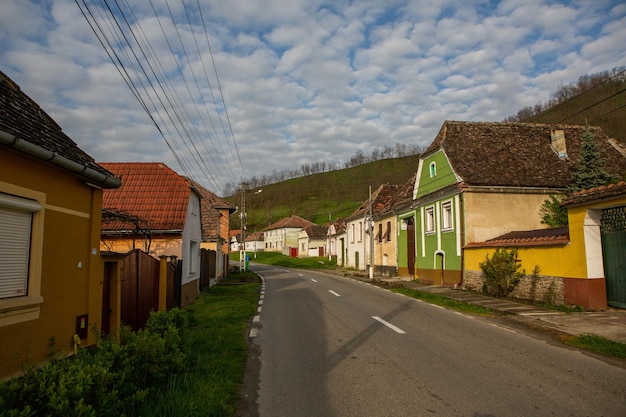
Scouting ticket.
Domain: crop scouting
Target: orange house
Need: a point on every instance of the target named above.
(50, 212)
(158, 211)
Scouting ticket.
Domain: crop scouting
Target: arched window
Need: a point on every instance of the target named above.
(433, 169)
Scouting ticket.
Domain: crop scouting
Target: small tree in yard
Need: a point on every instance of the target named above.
(501, 272)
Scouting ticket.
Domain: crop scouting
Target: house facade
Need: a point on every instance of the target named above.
(478, 181)
(336, 240)
(255, 242)
(50, 209)
(312, 241)
(360, 227)
(215, 213)
(158, 211)
(282, 236)
(387, 230)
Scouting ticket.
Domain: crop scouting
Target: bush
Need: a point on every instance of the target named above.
(501, 272)
(111, 380)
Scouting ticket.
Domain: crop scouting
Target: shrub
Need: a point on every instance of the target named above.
(110, 380)
(501, 272)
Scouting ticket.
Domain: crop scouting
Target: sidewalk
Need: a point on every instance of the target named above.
(609, 323)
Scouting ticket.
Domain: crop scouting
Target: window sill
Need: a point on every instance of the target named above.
(19, 309)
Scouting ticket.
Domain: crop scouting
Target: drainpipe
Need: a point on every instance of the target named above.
(462, 235)
(101, 179)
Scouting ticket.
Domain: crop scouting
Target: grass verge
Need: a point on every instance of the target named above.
(599, 345)
(216, 351)
(444, 301)
(278, 259)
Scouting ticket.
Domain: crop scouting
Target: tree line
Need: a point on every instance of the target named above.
(609, 78)
(399, 150)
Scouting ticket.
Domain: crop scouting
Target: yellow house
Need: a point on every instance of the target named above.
(584, 264)
(50, 210)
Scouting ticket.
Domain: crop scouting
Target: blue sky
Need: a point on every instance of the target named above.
(304, 81)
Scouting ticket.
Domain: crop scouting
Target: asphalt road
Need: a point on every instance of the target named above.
(331, 346)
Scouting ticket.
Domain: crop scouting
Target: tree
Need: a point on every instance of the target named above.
(589, 171)
(553, 214)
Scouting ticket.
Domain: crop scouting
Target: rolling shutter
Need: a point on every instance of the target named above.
(15, 234)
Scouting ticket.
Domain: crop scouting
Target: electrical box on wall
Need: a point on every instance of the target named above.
(82, 326)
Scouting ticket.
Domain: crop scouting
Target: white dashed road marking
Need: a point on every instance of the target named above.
(334, 293)
(391, 326)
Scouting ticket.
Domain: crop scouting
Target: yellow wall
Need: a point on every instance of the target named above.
(70, 263)
(159, 246)
(488, 215)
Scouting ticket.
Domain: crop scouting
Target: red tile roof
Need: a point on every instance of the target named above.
(150, 191)
(607, 192)
(539, 237)
(293, 221)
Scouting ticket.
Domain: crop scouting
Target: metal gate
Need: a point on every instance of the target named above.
(613, 228)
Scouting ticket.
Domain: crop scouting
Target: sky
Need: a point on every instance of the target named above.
(223, 91)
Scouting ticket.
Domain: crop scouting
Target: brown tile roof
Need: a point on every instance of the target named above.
(152, 192)
(539, 237)
(291, 221)
(256, 236)
(381, 198)
(316, 231)
(21, 117)
(210, 205)
(402, 197)
(340, 226)
(517, 154)
(607, 192)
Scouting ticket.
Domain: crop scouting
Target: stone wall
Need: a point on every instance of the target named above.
(546, 289)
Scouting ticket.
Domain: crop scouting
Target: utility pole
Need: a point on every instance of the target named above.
(371, 228)
(242, 215)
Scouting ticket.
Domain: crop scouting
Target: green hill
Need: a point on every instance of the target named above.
(321, 197)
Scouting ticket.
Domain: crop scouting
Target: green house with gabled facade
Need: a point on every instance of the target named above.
(479, 180)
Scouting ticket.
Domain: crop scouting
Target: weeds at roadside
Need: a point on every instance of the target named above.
(599, 345)
(444, 301)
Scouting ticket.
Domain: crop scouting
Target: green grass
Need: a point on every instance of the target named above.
(278, 259)
(599, 345)
(443, 301)
(216, 349)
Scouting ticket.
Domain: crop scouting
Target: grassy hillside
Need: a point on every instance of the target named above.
(320, 197)
(603, 105)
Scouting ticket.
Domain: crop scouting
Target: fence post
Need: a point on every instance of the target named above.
(162, 283)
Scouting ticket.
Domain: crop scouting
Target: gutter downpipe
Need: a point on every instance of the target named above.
(462, 205)
(38, 152)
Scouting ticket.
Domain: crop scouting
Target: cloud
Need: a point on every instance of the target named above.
(298, 81)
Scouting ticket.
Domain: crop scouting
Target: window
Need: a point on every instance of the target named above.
(430, 219)
(388, 232)
(21, 242)
(353, 235)
(360, 231)
(446, 216)
(193, 257)
(433, 170)
(379, 235)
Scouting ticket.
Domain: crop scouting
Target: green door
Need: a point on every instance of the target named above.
(614, 255)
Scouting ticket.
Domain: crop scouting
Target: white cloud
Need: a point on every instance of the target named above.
(303, 81)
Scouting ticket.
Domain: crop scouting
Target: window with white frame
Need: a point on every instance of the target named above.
(16, 221)
(446, 216)
(433, 170)
(193, 257)
(430, 219)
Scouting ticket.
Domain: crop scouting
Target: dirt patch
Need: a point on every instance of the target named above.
(246, 405)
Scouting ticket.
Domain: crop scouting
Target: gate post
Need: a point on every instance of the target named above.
(162, 283)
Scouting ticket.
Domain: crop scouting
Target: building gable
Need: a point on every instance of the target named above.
(434, 172)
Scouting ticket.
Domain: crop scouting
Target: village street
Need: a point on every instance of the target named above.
(331, 346)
